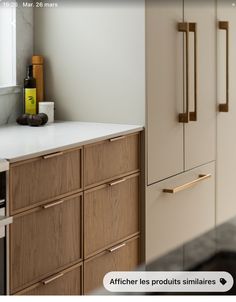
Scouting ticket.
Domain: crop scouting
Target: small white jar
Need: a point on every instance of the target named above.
(47, 108)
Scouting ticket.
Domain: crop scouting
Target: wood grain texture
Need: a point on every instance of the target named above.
(111, 213)
(39, 180)
(70, 283)
(44, 240)
(107, 160)
(123, 259)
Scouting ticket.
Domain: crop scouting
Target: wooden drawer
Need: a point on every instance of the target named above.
(174, 219)
(111, 214)
(110, 159)
(123, 257)
(45, 240)
(42, 179)
(67, 282)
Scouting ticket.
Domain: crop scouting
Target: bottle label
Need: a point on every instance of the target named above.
(30, 101)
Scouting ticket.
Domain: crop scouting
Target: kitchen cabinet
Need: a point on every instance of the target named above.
(200, 132)
(67, 282)
(164, 80)
(181, 122)
(114, 207)
(179, 209)
(181, 86)
(110, 159)
(44, 240)
(45, 178)
(86, 206)
(122, 257)
(226, 117)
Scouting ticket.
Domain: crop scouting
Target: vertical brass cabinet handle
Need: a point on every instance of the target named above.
(47, 281)
(53, 155)
(193, 114)
(50, 205)
(113, 249)
(201, 177)
(184, 27)
(111, 184)
(117, 138)
(224, 25)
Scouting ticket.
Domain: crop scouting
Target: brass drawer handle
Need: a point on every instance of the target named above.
(193, 114)
(116, 138)
(50, 205)
(111, 184)
(184, 28)
(115, 248)
(53, 155)
(224, 25)
(201, 177)
(47, 281)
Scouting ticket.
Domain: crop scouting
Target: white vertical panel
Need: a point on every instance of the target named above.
(7, 46)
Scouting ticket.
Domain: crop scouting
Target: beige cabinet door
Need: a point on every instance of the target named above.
(174, 218)
(164, 52)
(200, 132)
(226, 140)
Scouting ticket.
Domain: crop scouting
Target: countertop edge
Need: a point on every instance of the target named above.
(74, 145)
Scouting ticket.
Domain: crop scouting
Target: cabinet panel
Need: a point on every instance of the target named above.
(173, 219)
(68, 282)
(110, 159)
(164, 49)
(44, 240)
(44, 178)
(111, 214)
(226, 146)
(200, 135)
(125, 258)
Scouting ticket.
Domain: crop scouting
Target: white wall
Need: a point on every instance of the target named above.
(95, 52)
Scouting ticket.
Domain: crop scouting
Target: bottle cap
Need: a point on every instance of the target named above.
(37, 60)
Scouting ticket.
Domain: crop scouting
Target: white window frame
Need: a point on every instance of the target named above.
(10, 37)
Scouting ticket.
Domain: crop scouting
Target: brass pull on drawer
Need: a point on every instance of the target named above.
(201, 177)
(50, 205)
(116, 138)
(47, 281)
(111, 184)
(115, 248)
(53, 155)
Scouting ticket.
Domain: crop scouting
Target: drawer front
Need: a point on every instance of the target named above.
(68, 282)
(173, 219)
(111, 214)
(110, 159)
(125, 257)
(42, 179)
(44, 240)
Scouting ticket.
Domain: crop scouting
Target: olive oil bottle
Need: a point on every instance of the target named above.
(30, 102)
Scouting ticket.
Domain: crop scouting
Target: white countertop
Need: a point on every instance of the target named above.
(24, 142)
